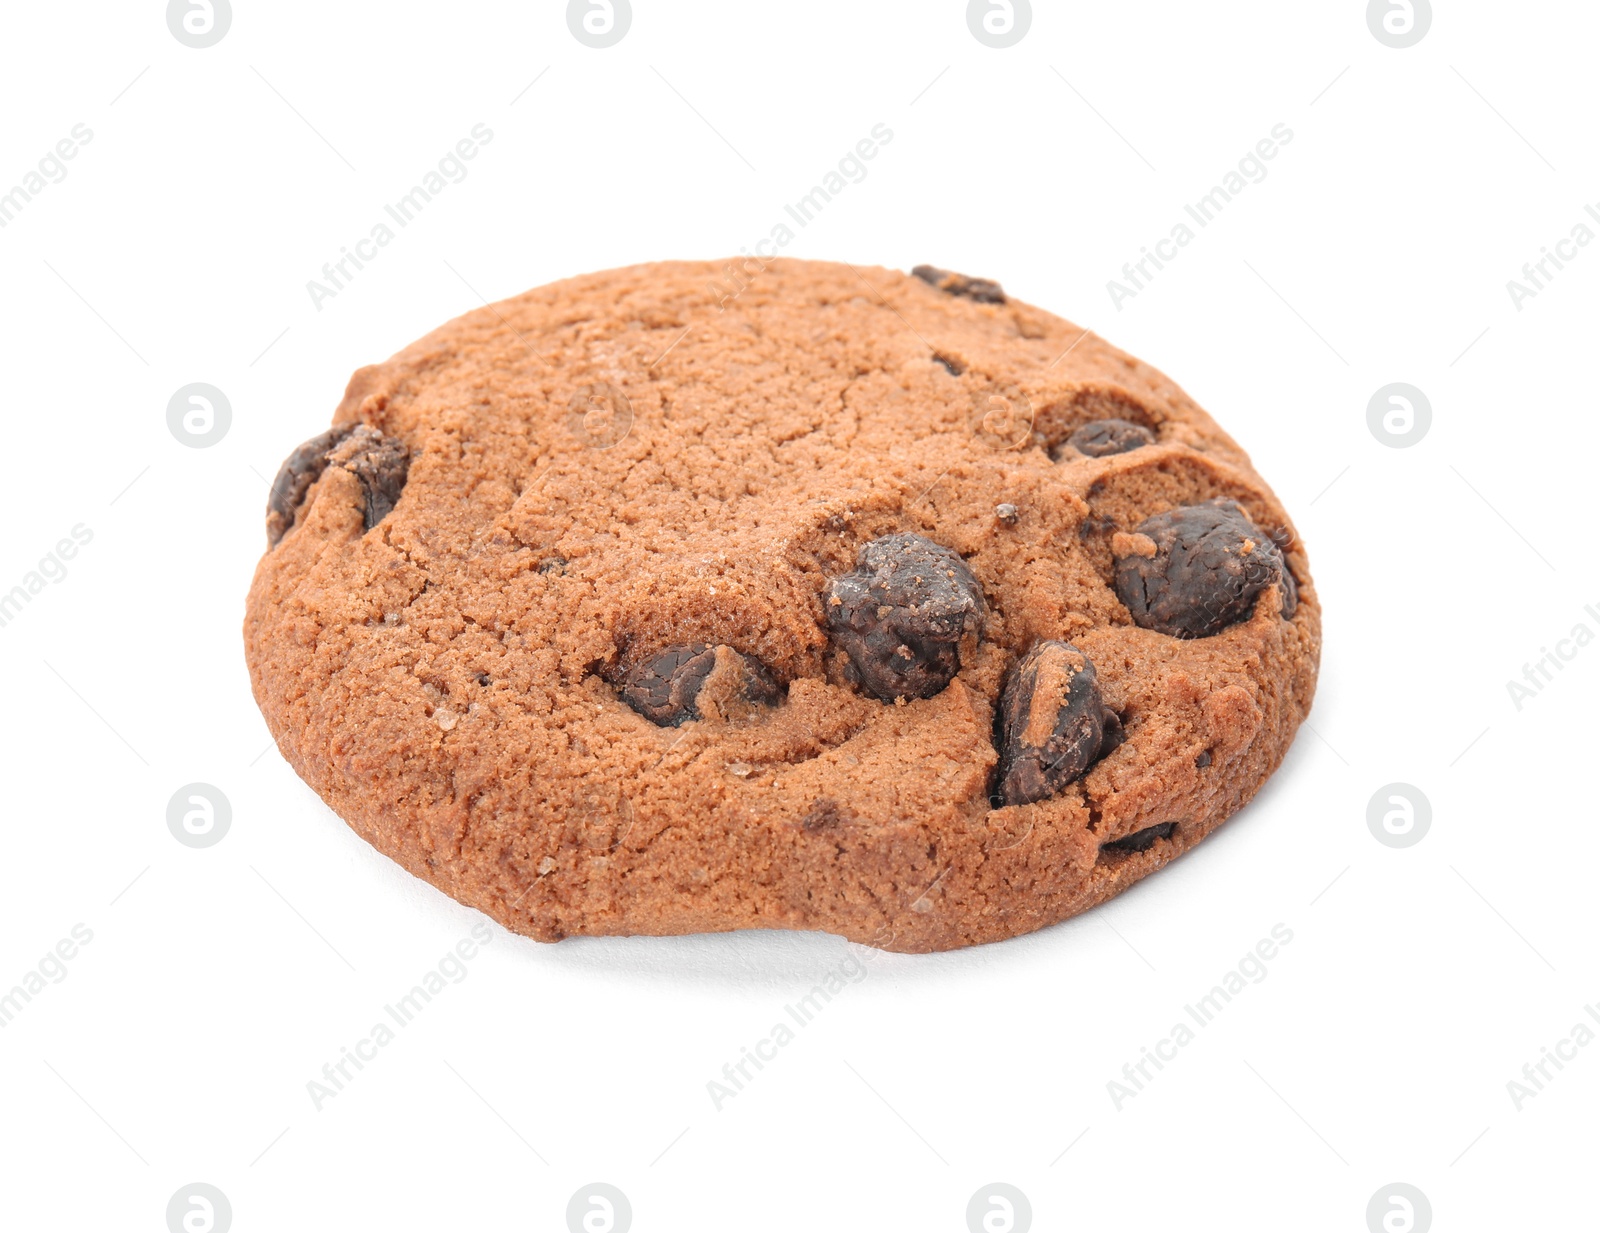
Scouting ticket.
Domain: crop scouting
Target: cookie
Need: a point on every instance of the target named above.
(855, 601)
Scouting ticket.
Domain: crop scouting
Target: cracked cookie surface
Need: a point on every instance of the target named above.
(544, 617)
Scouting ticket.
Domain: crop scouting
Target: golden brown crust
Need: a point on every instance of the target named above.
(638, 459)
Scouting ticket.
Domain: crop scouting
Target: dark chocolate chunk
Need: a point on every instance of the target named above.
(902, 613)
(1101, 438)
(1096, 524)
(299, 471)
(983, 290)
(1053, 723)
(825, 812)
(1195, 570)
(1202, 759)
(698, 682)
(1141, 841)
(380, 463)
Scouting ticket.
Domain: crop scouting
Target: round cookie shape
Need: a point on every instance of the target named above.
(694, 597)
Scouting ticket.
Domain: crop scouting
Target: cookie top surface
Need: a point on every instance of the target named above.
(568, 497)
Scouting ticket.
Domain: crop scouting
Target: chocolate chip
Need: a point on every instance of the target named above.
(1195, 570)
(698, 682)
(1053, 723)
(980, 289)
(824, 814)
(902, 613)
(1101, 438)
(1141, 841)
(380, 463)
(1006, 513)
(952, 366)
(299, 471)
(1096, 524)
(1202, 759)
(1291, 592)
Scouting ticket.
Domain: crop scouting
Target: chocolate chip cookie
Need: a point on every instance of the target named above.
(685, 597)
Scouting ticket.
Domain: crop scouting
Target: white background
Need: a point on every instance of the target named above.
(1419, 982)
